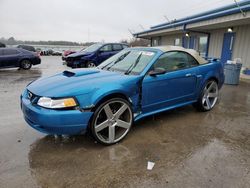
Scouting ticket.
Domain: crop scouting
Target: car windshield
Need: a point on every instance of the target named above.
(128, 61)
(92, 48)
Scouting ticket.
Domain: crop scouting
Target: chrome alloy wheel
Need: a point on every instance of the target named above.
(113, 121)
(210, 95)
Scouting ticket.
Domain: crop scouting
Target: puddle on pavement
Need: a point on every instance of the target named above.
(183, 144)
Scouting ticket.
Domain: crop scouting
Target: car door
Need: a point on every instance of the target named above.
(175, 87)
(105, 52)
(11, 57)
(1, 58)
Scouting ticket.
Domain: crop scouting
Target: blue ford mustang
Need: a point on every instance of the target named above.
(135, 83)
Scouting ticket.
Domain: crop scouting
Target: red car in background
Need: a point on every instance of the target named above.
(66, 53)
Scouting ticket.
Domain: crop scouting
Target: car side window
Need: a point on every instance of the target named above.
(1, 52)
(124, 46)
(172, 61)
(10, 52)
(106, 48)
(117, 47)
(192, 61)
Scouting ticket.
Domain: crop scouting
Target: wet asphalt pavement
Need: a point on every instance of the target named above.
(190, 149)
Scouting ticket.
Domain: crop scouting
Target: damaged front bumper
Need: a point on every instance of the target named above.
(59, 122)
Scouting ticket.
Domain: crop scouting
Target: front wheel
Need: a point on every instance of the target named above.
(112, 121)
(25, 64)
(209, 96)
(90, 65)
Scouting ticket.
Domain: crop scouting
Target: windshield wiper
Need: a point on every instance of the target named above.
(132, 66)
(106, 65)
(118, 60)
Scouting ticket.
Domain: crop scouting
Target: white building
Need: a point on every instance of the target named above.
(222, 33)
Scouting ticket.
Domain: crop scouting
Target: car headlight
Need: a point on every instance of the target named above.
(57, 103)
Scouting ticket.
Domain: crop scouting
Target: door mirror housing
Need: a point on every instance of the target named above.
(157, 71)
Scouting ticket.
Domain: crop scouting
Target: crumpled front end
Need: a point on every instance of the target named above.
(49, 121)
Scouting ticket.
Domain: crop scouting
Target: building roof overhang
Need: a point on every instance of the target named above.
(227, 16)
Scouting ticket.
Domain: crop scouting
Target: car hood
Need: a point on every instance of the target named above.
(81, 53)
(78, 81)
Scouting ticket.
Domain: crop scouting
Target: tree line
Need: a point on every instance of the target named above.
(13, 41)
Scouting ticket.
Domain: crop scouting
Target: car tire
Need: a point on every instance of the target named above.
(25, 64)
(111, 121)
(208, 97)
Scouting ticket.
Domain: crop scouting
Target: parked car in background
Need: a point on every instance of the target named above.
(18, 57)
(133, 84)
(27, 47)
(2, 45)
(94, 55)
(66, 53)
(46, 52)
(56, 53)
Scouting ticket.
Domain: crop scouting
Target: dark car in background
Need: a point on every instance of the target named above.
(18, 57)
(27, 47)
(94, 55)
(2, 45)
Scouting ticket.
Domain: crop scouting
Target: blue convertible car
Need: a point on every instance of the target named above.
(135, 83)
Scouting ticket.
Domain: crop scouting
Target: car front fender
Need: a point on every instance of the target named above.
(90, 100)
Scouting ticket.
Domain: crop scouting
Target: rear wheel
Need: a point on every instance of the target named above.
(25, 64)
(209, 96)
(112, 121)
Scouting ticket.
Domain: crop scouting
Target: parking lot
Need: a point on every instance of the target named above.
(189, 148)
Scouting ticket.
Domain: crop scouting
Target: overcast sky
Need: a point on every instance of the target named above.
(91, 20)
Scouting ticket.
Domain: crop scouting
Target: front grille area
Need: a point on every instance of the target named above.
(32, 97)
(72, 59)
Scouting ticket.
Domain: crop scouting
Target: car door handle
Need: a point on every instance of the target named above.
(188, 75)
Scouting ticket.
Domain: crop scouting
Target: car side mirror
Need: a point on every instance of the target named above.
(157, 71)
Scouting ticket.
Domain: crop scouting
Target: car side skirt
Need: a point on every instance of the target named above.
(141, 115)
